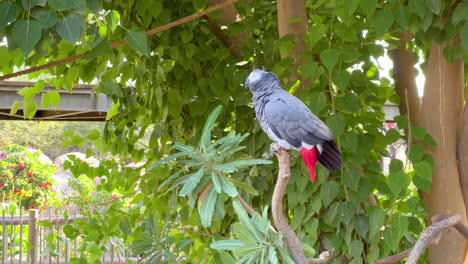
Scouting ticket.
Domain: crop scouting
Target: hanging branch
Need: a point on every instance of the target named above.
(280, 221)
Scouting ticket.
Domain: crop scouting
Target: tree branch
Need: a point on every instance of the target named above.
(429, 236)
(292, 241)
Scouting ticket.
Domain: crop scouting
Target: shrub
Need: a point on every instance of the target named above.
(24, 178)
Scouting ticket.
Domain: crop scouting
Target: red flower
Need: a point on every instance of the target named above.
(3, 155)
(17, 191)
(1, 184)
(114, 196)
(30, 181)
(4, 176)
(11, 168)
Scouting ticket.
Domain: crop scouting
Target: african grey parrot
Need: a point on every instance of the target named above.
(289, 122)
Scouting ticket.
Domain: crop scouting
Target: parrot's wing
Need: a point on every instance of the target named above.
(290, 119)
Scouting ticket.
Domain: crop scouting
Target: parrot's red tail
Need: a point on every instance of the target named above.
(310, 158)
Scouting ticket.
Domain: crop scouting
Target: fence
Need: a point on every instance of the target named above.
(38, 237)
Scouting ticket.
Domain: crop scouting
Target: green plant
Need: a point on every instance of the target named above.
(24, 178)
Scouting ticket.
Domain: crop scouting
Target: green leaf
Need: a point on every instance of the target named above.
(397, 182)
(94, 5)
(207, 207)
(30, 108)
(209, 124)
(93, 251)
(418, 132)
(393, 235)
(349, 103)
(15, 107)
(26, 35)
(329, 191)
(170, 158)
(45, 223)
(318, 102)
(49, 98)
(351, 178)
(113, 110)
(316, 33)
(336, 123)
(192, 182)
(101, 49)
(63, 5)
(368, 6)
(244, 186)
(112, 19)
(435, 6)
(137, 40)
(233, 166)
(228, 187)
(329, 58)
(416, 153)
(46, 19)
(93, 134)
(71, 27)
(174, 103)
(112, 88)
(356, 248)
(464, 37)
(349, 141)
(70, 231)
(362, 225)
(402, 121)
(7, 13)
(186, 36)
(216, 183)
(383, 21)
(228, 244)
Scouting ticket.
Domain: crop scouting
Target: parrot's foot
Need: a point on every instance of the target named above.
(274, 147)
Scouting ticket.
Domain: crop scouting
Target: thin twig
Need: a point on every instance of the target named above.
(394, 258)
(246, 206)
(292, 241)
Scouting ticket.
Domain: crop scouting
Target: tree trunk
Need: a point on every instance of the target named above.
(439, 116)
(229, 15)
(287, 11)
(405, 80)
(463, 156)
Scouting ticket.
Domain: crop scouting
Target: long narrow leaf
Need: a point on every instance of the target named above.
(182, 147)
(170, 179)
(233, 166)
(192, 182)
(228, 244)
(166, 160)
(216, 183)
(209, 124)
(251, 190)
(227, 186)
(207, 208)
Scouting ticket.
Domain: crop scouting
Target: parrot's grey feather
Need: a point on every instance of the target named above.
(292, 120)
(288, 121)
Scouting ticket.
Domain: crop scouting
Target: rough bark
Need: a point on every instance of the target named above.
(287, 11)
(405, 80)
(439, 116)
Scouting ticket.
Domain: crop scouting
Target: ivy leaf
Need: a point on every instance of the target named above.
(351, 178)
(368, 6)
(329, 58)
(316, 33)
(228, 244)
(102, 48)
(393, 235)
(418, 132)
(383, 21)
(15, 107)
(207, 207)
(318, 101)
(71, 27)
(356, 248)
(26, 35)
(336, 123)
(46, 19)
(7, 13)
(435, 6)
(362, 225)
(397, 182)
(30, 108)
(329, 191)
(137, 40)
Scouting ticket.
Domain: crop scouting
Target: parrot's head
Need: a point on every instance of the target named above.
(261, 81)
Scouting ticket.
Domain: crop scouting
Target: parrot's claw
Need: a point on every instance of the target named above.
(274, 147)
